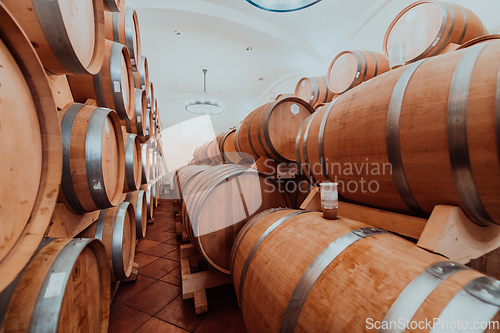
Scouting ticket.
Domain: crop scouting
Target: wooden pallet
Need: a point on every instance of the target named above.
(195, 284)
(181, 231)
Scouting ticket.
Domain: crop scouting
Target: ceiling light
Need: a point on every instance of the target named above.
(204, 103)
(261, 79)
(177, 33)
(249, 48)
(282, 5)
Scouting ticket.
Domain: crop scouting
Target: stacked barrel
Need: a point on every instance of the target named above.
(89, 151)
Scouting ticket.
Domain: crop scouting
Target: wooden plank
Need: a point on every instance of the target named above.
(65, 224)
(60, 90)
(185, 237)
(405, 225)
(450, 233)
(179, 228)
(202, 280)
(151, 221)
(134, 275)
(188, 250)
(313, 201)
(488, 264)
(193, 262)
(200, 301)
(178, 217)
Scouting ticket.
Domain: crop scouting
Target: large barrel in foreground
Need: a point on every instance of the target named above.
(218, 202)
(271, 129)
(31, 150)
(419, 136)
(64, 288)
(425, 28)
(68, 35)
(93, 158)
(294, 271)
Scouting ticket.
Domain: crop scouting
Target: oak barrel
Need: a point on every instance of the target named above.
(184, 175)
(279, 97)
(149, 200)
(314, 90)
(31, 162)
(422, 135)
(64, 288)
(271, 129)
(141, 77)
(123, 28)
(151, 96)
(114, 5)
(294, 271)
(145, 163)
(478, 40)
(116, 229)
(351, 68)
(218, 202)
(133, 162)
(137, 124)
(68, 35)
(425, 28)
(113, 86)
(93, 158)
(227, 147)
(138, 201)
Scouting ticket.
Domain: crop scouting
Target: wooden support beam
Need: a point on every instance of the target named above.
(450, 233)
(405, 225)
(188, 250)
(178, 217)
(200, 301)
(202, 280)
(65, 224)
(313, 201)
(61, 91)
(134, 275)
(179, 228)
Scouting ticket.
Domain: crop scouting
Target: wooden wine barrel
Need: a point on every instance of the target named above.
(145, 164)
(150, 126)
(227, 147)
(184, 175)
(133, 162)
(114, 5)
(31, 162)
(351, 68)
(156, 193)
(424, 28)
(137, 124)
(337, 275)
(123, 28)
(413, 153)
(271, 129)
(151, 96)
(478, 40)
(151, 165)
(149, 200)
(297, 189)
(68, 35)
(219, 201)
(139, 202)
(141, 77)
(213, 151)
(93, 158)
(112, 87)
(64, 288)
(283, 96)
(116, 229)
(314, 90)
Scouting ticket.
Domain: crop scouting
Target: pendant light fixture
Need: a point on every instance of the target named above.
(282, 5)
(204, 103)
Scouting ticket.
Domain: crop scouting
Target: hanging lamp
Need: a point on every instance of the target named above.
(282, 5)
(204, 103)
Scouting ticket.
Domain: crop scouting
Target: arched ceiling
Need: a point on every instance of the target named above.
(285, 47)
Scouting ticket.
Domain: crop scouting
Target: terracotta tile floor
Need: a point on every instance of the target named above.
(154, 302)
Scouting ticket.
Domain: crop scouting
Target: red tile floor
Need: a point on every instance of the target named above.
(154, 302)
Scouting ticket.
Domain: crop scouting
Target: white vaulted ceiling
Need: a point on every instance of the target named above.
(286, 46)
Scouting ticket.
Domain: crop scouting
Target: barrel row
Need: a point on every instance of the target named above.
(412, 154)
(216, 203)
(423, 29)
(334, 267)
